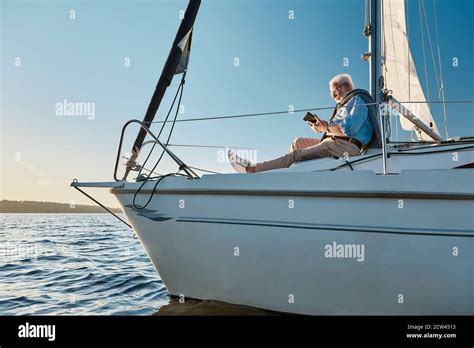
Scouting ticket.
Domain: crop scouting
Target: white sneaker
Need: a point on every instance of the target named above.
(239, 164)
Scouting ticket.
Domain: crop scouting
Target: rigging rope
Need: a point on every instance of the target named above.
(441, 77)
(222, 146)
(164, 123)
(408, 48)
(152, 192)
(205, 170)
(438, 102)
(255, 114)
(424, 52)
(180, 92)
(367, 14)
(431, 44)
(309, 109)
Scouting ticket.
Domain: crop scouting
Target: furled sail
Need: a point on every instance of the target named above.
(185, 47)
(399, 69)
(176, 63)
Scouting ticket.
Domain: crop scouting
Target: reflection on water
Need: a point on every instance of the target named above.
(74, 264)
(208, 307)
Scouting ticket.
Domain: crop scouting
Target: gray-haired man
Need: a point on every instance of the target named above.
(349, 130)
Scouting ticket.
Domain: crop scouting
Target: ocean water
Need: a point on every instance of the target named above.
(74, 264)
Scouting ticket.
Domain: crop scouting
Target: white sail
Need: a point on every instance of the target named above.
(399, 69)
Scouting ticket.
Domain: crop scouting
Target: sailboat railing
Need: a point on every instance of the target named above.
(182, 166)
(383, 117)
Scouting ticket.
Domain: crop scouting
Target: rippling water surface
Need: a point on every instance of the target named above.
(74, 264)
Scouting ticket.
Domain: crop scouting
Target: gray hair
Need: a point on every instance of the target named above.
(341, 79)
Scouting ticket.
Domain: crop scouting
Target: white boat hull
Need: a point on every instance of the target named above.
(221, 238)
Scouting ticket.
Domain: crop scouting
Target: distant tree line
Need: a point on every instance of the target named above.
(49, 207)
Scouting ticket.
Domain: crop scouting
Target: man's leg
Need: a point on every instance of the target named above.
(318, 150)
(326, 148)
(303, 143)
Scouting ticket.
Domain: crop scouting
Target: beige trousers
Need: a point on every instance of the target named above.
(309, 148)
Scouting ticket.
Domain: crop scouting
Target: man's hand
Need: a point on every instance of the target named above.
(319, 126)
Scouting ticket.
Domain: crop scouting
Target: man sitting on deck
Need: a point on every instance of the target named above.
(350, 129)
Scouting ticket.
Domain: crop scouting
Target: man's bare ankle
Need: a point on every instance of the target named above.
(250, 169)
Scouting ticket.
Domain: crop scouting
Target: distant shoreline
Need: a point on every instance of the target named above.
(7, 206)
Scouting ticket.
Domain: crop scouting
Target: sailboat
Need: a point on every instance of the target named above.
(387, 232)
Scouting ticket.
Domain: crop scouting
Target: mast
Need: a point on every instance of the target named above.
(170, 68)
(373, 32)
(375, 49)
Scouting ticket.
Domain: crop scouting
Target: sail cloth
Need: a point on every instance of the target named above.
(399, 69)
(185, 47)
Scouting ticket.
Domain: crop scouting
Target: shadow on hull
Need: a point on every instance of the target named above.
(210, 308)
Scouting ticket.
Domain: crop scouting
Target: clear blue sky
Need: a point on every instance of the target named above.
(282, 62)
